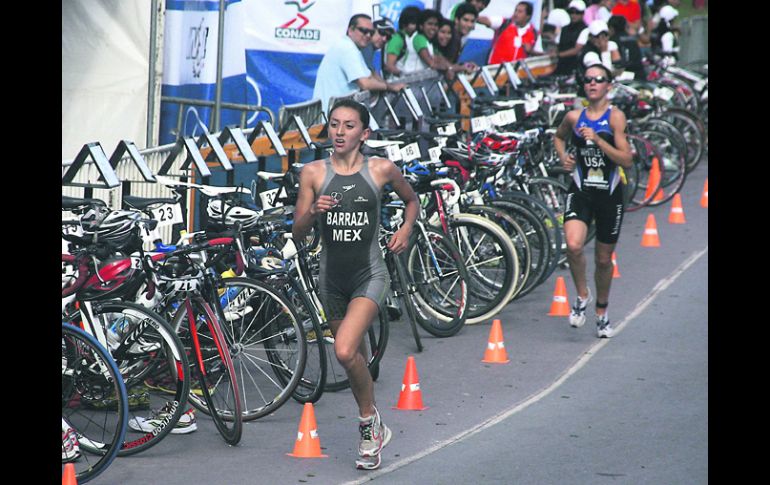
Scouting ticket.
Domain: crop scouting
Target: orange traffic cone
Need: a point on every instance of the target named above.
(653, 182)
(559, 306)
(411, 395)
(676, 216)
(704, 199)
(308, 444)
(650, 237)
(615, 272)
(495, 353)
(68, 478)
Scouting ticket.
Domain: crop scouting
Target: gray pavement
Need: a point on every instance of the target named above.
(564, 410)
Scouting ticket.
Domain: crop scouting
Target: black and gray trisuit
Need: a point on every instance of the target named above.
(352, 264)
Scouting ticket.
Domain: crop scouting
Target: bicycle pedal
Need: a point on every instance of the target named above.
(394, 313)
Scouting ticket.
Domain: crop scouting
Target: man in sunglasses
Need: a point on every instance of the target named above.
(569, 48)
(343, 68)
(597, 133)
(383, 31)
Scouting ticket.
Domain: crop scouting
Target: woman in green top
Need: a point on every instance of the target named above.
(398, 48)
(424, 40)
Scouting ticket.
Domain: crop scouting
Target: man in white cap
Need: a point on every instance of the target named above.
(664, 38)
(569, 48)
(557, 19)
(598, 35)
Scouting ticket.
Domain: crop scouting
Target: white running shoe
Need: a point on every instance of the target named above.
(186, 424)
(70, 447)
(577, 315)
(374, 435)
(603, 328)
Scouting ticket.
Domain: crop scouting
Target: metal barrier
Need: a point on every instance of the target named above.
(243, 108)
(694, 39)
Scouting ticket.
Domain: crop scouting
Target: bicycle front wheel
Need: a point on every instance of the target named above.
(149, 355)
(269, 345)
(91, 437)
(438, 272)
(217, 392)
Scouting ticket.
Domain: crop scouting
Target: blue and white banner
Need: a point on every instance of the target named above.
(392, 8)
(190, 64)
(271, 56)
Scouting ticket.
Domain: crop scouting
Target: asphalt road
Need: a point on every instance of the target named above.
(568, 408)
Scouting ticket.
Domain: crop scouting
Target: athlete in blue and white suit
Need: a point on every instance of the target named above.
(598, 134)
(342, 194)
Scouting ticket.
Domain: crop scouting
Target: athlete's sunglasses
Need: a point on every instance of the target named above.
(365, 31)
(598, 79)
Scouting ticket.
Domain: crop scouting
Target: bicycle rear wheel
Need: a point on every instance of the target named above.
(491, 261)
(673, 165)
(538, 241)
(515, 233)
(91, 438)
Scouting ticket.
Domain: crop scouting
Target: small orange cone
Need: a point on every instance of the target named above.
(68, 478)
(650, 237)
(704, 199)
(615, 272)
(411, 395)
(559, 306)
(308, 444)
(653, 182)
(676, 216)
(496, 353)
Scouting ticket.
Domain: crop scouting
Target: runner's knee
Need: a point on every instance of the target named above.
(346, 354)
(574, 246)
(603, 261)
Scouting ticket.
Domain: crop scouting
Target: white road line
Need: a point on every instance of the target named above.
(644, 303)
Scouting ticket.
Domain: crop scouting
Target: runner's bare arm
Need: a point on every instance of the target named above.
(308, 207)
(560, 140)
(390, 174)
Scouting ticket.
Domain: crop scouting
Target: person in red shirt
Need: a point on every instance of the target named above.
(515, 39)
(631, 10)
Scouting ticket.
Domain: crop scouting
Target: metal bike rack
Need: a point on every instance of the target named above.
(107, 175)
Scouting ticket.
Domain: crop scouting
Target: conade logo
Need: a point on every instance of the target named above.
(295, 28)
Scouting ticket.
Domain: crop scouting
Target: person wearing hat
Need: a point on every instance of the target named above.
(664, 40)
(600, 43)
(628, 46)
(601, 151)
(383, 31)
(569, 48)
(557, 19)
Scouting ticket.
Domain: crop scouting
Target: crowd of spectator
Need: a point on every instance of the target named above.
(617, 33)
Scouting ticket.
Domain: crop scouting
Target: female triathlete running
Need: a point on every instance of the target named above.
(598, 133)
(342, 193)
